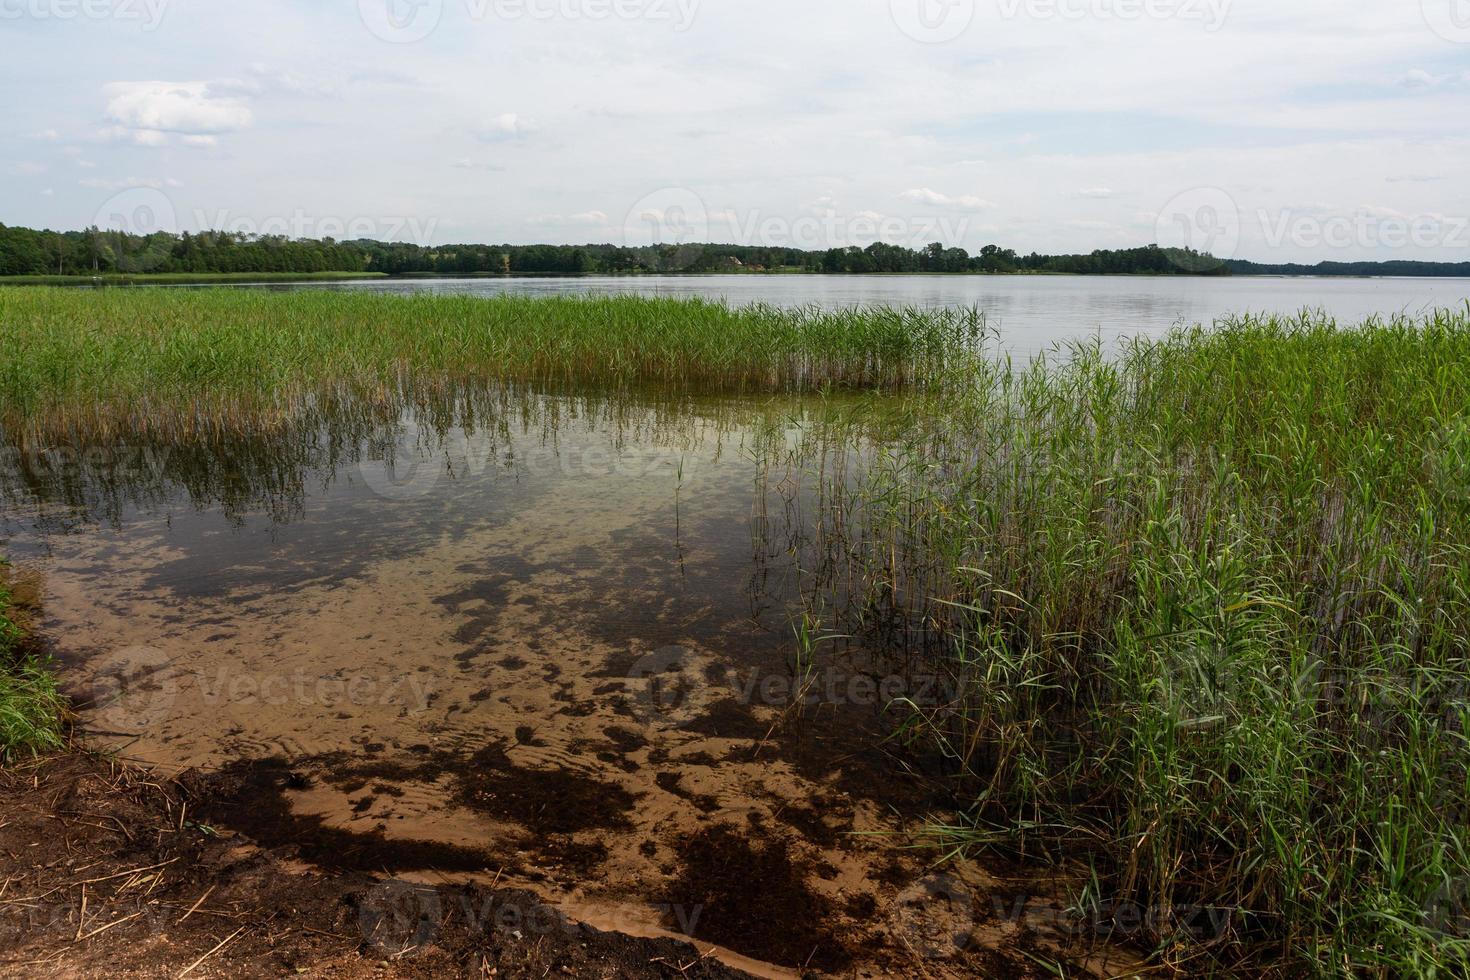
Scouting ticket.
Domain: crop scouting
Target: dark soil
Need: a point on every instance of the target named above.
(107, 871)
(742, 887)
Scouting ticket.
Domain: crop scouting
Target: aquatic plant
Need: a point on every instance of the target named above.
(172, 361)
(30, 706)
(1204, 604)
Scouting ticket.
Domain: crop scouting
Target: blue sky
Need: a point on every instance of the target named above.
(1280, 131)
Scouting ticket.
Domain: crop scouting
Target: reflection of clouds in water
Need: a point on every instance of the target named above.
(602, 530)
(346, 485)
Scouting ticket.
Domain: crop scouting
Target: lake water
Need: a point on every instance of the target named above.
(1031, 312)
(477, 632)
(484, 634)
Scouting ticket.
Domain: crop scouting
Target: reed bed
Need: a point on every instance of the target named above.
(175, 360)
(1202, 604)
(1205, 610)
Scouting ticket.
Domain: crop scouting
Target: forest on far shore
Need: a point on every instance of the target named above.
(95, 252)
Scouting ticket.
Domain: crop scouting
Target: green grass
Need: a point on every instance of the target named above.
(30, 706)
(104, 360)
(1207, 605)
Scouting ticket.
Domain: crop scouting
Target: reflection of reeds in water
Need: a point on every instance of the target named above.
(1205, 613)
(124, 362)
(462, 427)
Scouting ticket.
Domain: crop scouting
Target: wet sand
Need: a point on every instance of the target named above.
(563, 665)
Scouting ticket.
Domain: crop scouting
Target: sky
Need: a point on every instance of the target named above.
(1274, 130)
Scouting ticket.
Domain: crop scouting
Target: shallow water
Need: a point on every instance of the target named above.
(500, 636)
(1031, 313)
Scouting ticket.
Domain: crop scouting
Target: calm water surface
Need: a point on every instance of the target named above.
(538, 640)
(1031, 312)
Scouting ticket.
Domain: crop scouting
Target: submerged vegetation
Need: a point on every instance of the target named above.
(1201, 604)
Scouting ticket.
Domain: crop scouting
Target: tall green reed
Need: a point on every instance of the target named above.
(30, 706)
(177, 360)
(1206, 605)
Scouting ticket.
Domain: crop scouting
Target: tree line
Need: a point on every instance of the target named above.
(97, 252)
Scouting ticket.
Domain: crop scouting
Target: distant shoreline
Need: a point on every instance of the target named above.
(272, 278)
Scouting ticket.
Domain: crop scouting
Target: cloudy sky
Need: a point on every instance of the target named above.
(1277, 130)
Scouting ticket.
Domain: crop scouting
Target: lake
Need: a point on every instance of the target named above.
(484, 632)
(1030, 312)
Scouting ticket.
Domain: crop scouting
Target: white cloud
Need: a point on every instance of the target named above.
(1096, 193)
(190, 108)
(744, 112)
(506, 126)
(27, 168)
(965, 202)
(44, 136)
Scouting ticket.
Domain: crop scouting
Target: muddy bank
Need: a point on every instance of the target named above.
(105, 871)
(112, 870)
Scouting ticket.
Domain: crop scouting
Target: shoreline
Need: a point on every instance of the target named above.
(332, 278)
(141, 889)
